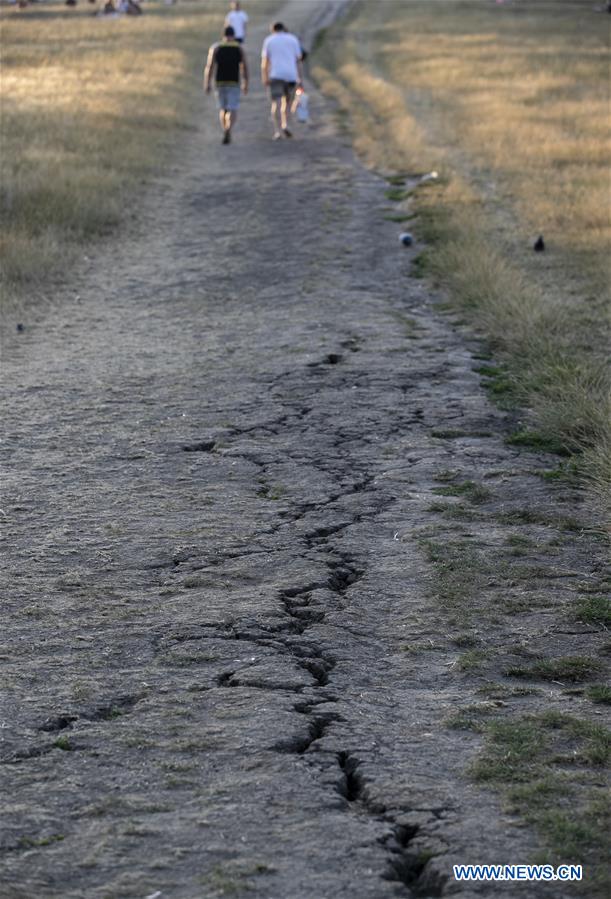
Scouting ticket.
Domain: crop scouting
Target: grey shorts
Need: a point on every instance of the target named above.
(228, 97)
(279, 89)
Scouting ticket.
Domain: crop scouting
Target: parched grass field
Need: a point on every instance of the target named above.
(90, 108)
(509, 102)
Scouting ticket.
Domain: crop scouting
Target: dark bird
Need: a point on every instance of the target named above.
(539, 244)
(20, 327)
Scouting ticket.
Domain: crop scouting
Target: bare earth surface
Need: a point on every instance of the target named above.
(220, 456)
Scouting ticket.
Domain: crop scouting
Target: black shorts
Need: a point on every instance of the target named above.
(279, 89)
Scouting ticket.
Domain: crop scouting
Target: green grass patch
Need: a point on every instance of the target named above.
(420, 267)
(460, 573)
(566, 473)
(39, 842)
(474, 493)
(498, 382)
(520, 545)
(472, 660)
(513, 745)
(534, 516)
(457, 511)
(488, 371)
(471, 717)
(599, 694)
(464, 641)
(571, 669)
(396, 194)
(537, 442)
(526, 759)
(594, 610)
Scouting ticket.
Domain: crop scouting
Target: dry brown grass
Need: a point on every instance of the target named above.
(511, 104)
(90, 108)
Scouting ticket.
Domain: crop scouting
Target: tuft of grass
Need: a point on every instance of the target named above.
(460, 573)
(273, 493)
(520, 545)
(512, 747)
(594, 739)
(599, 693)
(64, 744)
(567, 472)
(38, 842)
(464, 641)
(573, 669)
(446, 475)
(456, 511)
(396, 194)
(469, 718)
(533, 516)
(421, 265)
(498, 382)
(474, 493)
(537, 441)
(488, 371)
(594, 610)
(472, 660)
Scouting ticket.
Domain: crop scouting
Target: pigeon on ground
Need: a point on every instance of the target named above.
(539, 244)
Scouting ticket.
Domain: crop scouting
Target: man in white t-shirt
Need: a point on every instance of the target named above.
(281, 72)
(237, 19)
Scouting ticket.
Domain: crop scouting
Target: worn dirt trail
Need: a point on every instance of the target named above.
(219, 455)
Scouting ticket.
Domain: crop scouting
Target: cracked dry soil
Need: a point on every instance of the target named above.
(220, 447)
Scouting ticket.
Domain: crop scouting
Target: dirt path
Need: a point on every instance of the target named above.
(221, 458)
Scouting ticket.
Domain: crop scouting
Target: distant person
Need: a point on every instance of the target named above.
(238, 20)
(227, 67)
(130, 8)
(281, 72)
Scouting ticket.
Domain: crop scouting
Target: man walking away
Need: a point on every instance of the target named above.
(227, 66)
(237, 19)
(281, 72)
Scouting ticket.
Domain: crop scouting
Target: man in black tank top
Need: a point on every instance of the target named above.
(227, 67)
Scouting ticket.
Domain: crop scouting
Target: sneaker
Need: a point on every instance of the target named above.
(276, 136)
(287, 133)
(227, 137)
